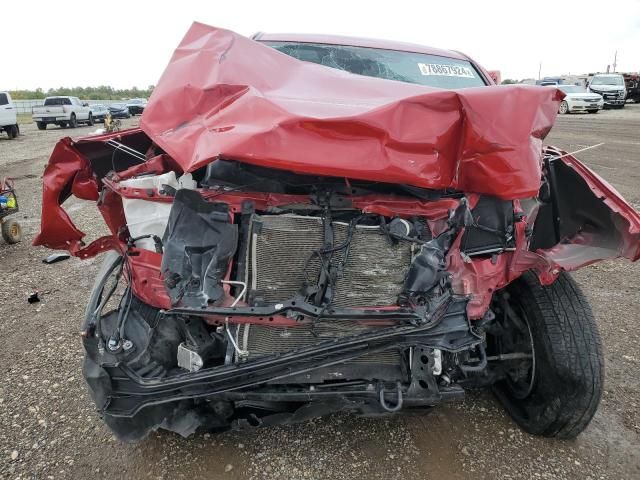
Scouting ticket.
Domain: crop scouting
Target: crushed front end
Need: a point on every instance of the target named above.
(274, 257)
(254, 307)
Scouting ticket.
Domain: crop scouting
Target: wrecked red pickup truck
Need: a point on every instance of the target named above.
(310, 224)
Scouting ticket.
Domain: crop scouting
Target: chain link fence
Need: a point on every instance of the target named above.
(25, 106)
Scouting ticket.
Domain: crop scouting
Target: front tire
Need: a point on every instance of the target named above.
(564, 108)
(73, 122)
(594, 111)
(90, 121)
(41, 125)
(567, 374)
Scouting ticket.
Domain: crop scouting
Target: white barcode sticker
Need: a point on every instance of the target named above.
(445, 70)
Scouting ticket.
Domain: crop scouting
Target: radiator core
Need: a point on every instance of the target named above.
(281, 246)
(280, 259)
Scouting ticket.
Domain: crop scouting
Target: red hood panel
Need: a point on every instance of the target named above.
(223, 95)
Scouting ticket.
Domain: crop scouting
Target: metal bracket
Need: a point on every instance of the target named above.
(189, 359)
(423, 371)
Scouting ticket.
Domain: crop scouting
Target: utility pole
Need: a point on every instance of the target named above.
(539, 70)
(615, 61)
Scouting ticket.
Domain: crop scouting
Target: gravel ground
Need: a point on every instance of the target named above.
(49, 428)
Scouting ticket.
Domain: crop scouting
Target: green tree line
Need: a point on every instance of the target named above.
(103, 92)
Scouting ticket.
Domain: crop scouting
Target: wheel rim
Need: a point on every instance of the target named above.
(564, 107)
(517, 338)
(14, 230)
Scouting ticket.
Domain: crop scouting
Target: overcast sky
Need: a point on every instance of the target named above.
(128, 43)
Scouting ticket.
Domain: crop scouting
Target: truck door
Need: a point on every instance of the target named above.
(82, 112)
(7, 110)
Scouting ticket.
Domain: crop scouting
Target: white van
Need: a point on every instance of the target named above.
(8, 118)
(611, 87)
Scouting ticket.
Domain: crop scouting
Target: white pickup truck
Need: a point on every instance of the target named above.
(62, 111)
(611, 87)
(8, 120)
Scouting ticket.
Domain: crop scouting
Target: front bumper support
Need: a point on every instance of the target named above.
(128, 392)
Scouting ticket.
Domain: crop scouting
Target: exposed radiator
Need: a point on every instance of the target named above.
(375, 269)
(260, 340)
(280, 246)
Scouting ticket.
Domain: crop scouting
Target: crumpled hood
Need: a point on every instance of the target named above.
(225, 96)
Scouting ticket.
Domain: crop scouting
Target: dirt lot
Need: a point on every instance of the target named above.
(50, 430)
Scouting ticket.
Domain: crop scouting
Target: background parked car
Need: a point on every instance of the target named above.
(119, 110)
(8, 121)
(548, 81)
(99, 112)
(136, 105)
(577, 99)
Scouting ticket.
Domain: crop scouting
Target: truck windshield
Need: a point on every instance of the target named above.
(607, 80)
(428, 70)
(57, 101)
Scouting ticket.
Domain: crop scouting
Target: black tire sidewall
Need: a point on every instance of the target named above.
(546, 379)
(560, 403)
